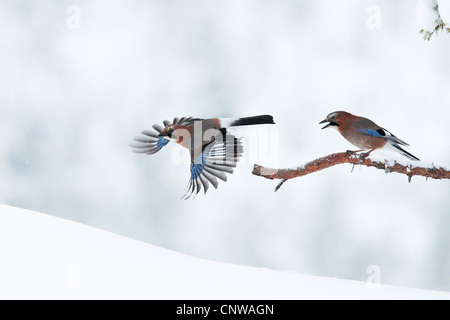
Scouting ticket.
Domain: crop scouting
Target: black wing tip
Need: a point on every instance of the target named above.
(406, 153)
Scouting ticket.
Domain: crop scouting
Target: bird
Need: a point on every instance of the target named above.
(365, 134)
(213, 150)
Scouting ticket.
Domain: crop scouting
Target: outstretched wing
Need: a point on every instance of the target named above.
(186, 121)
(150, 142)
(216, 159)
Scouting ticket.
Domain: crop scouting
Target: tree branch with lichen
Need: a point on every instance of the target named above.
(428, 34)
(351, 158)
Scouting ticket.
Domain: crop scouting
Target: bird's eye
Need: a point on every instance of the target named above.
(333, 118)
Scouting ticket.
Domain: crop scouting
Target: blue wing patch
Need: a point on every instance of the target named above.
(149, 143)
(197, 179)
(161, 142)
(197, 167)
(374, 133)
(216, 159)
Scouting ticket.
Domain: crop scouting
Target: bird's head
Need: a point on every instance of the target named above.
(167, 132)
(174, 132)
(334, 119)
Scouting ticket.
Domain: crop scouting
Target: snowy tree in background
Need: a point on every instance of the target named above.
(432, 16)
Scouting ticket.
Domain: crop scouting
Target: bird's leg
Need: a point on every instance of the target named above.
(363, 156)
(350, 152)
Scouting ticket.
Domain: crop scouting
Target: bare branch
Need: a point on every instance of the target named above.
(348, 157)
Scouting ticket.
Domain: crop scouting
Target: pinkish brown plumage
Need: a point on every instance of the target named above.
(214, 151)
(364, 133)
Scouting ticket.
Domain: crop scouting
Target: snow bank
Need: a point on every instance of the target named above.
(44, 257)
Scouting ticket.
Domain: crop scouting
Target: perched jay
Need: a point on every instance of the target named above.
(214, 151)
(364, 133)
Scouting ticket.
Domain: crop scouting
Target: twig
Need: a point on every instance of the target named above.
(348, 157)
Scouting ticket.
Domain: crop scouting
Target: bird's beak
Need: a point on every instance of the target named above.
(323, 121)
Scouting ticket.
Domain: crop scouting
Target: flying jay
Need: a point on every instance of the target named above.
(214, 151)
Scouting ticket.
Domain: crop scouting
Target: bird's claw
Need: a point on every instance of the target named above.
(363, 157)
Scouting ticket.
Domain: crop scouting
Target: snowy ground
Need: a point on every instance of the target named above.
(44, 257)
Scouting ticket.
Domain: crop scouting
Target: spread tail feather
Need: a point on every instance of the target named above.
(248, 121)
